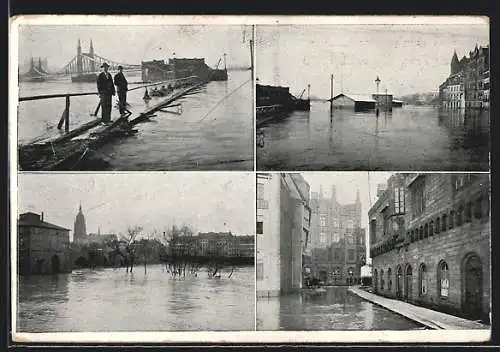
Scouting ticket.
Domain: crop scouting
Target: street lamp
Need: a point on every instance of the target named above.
(377, 81)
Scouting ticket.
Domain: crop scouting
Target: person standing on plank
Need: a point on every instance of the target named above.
(106, 90)
(122, 88)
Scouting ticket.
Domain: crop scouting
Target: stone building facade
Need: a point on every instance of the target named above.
(430, 242)
(338, 247)
(283, 221)
(43, 248)
(468, 86)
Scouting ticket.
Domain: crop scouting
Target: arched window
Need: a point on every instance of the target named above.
(412, 235)
(438, 225)
(459, 216)
(389, 280)
(422, 279)
(451, 220)
(443, 279)
(431, 228)
(468, 212)
(382, 282)
(426, 230)
(421, 234)
(478, 208)
(444, 223)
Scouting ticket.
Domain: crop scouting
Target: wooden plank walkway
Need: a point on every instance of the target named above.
(58, 151)
(427, 317)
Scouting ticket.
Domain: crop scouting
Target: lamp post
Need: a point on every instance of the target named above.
(377, 82)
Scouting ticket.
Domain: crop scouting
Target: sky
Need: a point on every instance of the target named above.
(208, 201)
(407, 58)
(132, 44)
(346, 185)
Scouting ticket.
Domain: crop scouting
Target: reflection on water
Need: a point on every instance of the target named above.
(335, 309)
(209, 132)
(113, 300)
(408, 138)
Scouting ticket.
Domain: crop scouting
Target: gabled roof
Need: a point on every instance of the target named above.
(356, 97)
(32, 222)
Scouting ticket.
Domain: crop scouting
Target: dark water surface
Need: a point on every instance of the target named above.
(112, 300)
(213, 131)
(335, 309)
(409, 138)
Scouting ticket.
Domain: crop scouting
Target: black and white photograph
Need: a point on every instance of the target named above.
(135, 252)
(135, 97)
(373, 251)
(374, 96)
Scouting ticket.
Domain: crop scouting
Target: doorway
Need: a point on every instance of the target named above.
(408, 283)
(56, 264)
(473, 295)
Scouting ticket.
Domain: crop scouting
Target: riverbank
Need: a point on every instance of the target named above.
(427, 317)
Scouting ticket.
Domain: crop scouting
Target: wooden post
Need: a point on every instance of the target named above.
(66, 119)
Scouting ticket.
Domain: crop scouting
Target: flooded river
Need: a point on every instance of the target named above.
(212, 130)
(335, 309)
(409, 138)
(112, 300)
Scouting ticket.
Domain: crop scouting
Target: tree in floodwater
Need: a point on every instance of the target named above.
(125, 247)
(182, 251)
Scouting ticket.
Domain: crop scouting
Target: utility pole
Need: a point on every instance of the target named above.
(308, 92)
(225, 68)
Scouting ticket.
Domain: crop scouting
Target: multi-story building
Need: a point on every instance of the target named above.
(43, 248)
(468, 85)
(338, 248)
(283, 221)
(215, 244)
(430, 242)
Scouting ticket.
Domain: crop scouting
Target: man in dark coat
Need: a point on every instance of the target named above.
(106, 90)
(122, 88)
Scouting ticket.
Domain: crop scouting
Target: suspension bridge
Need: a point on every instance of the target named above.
(82, 67)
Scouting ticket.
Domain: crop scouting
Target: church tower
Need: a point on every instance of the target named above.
(357, 219)
(79, 231)
(455, 65)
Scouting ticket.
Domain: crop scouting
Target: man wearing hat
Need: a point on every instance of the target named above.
(106, 90)
(121, 87)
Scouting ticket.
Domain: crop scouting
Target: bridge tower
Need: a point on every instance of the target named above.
(79, 64)
(91, 54)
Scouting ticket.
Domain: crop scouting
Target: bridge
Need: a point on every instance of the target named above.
(82, 63)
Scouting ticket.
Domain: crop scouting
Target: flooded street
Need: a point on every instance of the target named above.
(212, 130)
(409, 138)
(335, 309)
(112, 300)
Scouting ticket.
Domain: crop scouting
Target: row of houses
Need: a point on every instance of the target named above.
(214, 244)
(430, 242)
(468, 86)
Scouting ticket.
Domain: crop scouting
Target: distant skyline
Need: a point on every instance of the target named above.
(132, 44)
(346, 185)
(407, 58)
(218, 201)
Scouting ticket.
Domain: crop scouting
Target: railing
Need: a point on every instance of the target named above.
(65, 115)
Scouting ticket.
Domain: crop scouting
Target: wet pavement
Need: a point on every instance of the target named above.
(113, 300)
(335, 309)
(420, 138)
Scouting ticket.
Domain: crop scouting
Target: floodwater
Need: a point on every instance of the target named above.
(409, 138)
(212, 130)
(335, 309)
(113, 300)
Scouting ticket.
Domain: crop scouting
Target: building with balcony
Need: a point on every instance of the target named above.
(468, 85)
(430, 242)
(283, 225)
(43, 248)
(338, 247)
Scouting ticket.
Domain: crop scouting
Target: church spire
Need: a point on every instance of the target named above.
(80, 209)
